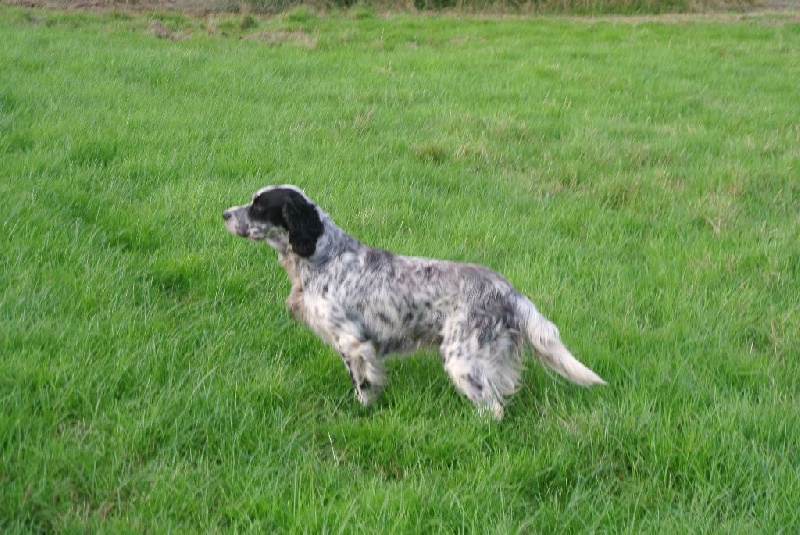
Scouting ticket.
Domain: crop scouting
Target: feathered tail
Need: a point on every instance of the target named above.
(544, 338)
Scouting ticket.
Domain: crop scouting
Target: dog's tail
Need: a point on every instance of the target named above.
(552, 352)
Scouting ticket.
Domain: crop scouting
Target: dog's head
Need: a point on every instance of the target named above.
(282, 216)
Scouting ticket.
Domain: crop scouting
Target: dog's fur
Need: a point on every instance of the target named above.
(368, 303)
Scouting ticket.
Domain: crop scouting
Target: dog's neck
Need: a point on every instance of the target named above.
(333, 242)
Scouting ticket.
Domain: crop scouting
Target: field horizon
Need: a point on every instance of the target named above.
(637, 179)
(452, 7)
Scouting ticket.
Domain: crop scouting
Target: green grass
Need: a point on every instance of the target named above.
(638, 180)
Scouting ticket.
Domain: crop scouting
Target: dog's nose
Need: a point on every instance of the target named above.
(226, 215)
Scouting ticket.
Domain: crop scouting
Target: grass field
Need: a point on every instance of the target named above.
(640, 181)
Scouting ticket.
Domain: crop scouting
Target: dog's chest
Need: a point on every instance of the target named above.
(326, 318)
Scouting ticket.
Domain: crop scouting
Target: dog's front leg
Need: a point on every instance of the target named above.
(366, 372)
(359, 383)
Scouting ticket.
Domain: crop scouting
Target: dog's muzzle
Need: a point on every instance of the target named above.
(233, 224)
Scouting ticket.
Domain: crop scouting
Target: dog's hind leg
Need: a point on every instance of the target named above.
(482, 358)
(365, 369)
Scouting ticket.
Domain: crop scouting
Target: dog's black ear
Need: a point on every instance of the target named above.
(303, 223)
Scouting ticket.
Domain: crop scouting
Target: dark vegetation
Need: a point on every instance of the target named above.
(566, 7)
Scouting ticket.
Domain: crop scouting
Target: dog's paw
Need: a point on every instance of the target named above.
(363, 396)
(367, 395)
(493, 410)
(497, 411)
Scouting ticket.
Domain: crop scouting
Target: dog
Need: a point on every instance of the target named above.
(369, 304)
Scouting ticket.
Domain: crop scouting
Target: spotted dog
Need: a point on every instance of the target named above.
(369, 304)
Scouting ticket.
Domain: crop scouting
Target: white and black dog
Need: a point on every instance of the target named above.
(368, 303)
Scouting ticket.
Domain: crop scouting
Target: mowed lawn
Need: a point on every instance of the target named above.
(638, 179)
